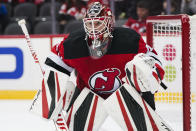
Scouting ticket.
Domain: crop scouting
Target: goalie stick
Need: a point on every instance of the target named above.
(60, 124)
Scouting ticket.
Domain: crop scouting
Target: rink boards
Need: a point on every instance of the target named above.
(20, 77)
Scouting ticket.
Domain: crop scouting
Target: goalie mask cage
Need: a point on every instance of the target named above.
(174, 38)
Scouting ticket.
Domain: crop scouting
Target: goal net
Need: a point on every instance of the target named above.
(174, 38)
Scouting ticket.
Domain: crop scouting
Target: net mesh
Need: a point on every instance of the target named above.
(167, 42)
(167, 29)
(167, 39)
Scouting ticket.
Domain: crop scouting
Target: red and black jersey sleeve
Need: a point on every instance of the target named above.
(56, 59)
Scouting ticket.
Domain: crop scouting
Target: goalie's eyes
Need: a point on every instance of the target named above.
(95, 24)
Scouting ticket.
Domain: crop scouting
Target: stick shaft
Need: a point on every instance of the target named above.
(62, 126)
(28, 40)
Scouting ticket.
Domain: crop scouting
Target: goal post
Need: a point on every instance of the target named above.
(174, 38)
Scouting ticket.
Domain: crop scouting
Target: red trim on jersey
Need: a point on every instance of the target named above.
(45, 109)
(154, 126)
(92, 117)
(123, 110)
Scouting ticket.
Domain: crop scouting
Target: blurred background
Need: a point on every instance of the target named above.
(48, 21)
(63, 16)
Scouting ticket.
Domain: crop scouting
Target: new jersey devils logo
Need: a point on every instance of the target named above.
(106, 81)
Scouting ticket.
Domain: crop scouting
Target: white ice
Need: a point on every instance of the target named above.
(14, 116)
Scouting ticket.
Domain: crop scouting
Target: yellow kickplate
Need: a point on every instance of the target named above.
(16, 94)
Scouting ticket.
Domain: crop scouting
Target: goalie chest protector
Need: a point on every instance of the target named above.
(102, 75)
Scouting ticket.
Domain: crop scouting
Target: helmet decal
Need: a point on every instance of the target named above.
(95, 9)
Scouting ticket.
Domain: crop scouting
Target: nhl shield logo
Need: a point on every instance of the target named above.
(106, 81)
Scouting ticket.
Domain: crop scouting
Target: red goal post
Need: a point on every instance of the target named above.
(174, 38)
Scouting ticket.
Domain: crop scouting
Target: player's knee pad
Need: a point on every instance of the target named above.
(149, 98)
(131, 112)
(55, 94)
(87, 112)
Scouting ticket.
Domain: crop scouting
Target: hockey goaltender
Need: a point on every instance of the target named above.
(116, 72)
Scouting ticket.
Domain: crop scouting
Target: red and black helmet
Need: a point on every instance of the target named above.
(98, 12)
(98, 25)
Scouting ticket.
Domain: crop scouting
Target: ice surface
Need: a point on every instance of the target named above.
(14, 116)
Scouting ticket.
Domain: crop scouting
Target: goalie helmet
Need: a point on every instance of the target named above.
(98, 25)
